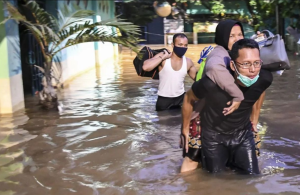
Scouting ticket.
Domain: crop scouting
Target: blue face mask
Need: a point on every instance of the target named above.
(179, 51)
(244, 79)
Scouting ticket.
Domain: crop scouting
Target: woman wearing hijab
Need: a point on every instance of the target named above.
(217, 63)
(217, 68)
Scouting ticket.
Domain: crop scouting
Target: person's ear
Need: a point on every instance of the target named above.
(232, 65)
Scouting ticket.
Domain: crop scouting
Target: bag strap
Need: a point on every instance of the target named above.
(268, 33)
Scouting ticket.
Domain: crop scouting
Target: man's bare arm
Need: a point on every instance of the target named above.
(152, 63)
(256, 110)
(192, 70)
(187, 109)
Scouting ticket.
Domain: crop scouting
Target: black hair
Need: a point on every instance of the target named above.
(182, 35)
(241, 44)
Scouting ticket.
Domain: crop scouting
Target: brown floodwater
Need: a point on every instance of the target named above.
(108, 139)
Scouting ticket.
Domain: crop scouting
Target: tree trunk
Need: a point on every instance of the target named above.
(48, 96)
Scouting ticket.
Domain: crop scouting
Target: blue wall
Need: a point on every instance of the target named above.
(13, 44)
(82, 57)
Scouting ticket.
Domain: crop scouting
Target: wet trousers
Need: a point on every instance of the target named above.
(165, 103)
(236, 150)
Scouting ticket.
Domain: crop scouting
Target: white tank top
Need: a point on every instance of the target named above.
(171, 82)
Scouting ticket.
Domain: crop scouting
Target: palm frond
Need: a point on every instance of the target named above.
(72, 30)
(48, 34)
(102, 35)
(47, 23)
(41, 16)
(68, 17)
(5, 20)
(79, 29)
(14, 13)
(37, 33)
(42, 32)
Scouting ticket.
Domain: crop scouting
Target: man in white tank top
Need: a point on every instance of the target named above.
(172, 67)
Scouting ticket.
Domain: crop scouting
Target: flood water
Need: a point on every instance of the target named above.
(108, 139)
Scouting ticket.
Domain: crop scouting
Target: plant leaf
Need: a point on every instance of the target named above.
(94, 35)
(67, 17)
(40, 68)
(98, 27)
(41, 16)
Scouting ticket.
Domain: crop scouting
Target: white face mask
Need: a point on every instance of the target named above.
(244, 79)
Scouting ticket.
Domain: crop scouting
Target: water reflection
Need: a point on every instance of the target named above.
(108, 139)
(12, 157)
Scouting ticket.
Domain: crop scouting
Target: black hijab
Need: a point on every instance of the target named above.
(223, 32)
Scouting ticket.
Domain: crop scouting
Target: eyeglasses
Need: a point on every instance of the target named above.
(247, 65)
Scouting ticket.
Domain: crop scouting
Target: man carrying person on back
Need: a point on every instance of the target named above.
(228, 140)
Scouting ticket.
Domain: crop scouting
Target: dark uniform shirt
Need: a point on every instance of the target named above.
(216, 100)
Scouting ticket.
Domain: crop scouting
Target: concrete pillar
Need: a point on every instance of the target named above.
(195, 38)
(11, 84)
(96, 18)
(104, 51)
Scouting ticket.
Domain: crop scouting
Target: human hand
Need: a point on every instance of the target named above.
(234, 106)
(181, 141)
(184, 141)
(259, 34)
(166, 54)
(254, 127)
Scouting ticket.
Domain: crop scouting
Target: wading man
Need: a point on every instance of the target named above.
(227, 141)
(172, 67)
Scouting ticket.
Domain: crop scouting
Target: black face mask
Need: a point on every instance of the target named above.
(179, 51)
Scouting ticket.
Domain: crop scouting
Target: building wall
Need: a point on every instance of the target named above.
(80, 58)
(11, 85)
(75, 60)
(105, 10)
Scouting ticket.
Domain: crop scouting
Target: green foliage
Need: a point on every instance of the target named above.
(258, 13)
(139, 12)
(290, 9)
(217, 7)
(262, 10)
